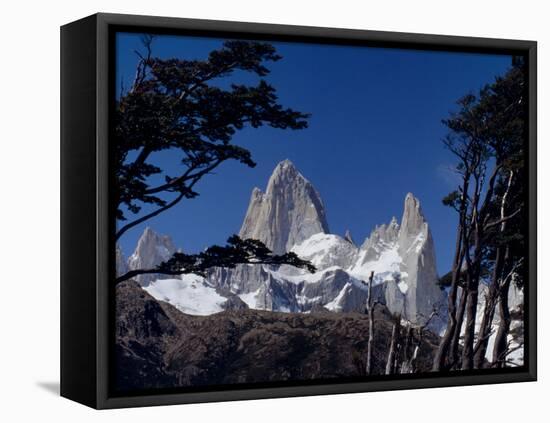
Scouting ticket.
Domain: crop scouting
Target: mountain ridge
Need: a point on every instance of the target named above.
(290, 216)
(158, 346)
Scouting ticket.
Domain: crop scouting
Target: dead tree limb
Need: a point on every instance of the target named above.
(370, 312)
(390, 364)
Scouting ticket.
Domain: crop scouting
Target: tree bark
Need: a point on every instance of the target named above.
(501, 339)
(494, 288)
(390, 365)
(453, 350)
(484, 333)
(370, 311)
(469, 331)
(473, 269)
(442, 352)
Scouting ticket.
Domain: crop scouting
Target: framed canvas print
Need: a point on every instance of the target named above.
(256, 211)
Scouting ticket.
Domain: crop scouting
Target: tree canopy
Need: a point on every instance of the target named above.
(487, 136)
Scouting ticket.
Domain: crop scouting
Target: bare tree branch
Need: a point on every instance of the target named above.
(184, 191)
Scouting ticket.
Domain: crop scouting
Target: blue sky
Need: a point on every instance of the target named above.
(375, 134)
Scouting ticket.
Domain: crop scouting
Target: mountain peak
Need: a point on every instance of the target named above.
(149, 233)
(289, 211)
(416, 248)
(413, 220)
(285, 171)
(151, 250)
(348, 237)
(285, 164)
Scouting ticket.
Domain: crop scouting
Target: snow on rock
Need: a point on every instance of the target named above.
(386, 267)
(403, 287)
(251, 299)
(335, 305)
(326, 250)
(190, 294)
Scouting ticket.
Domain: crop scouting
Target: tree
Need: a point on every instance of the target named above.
(506, 101)
(370, 305)
(182, 106)
(391, 363)
(486, 135)
(408, 363)
(238, 251)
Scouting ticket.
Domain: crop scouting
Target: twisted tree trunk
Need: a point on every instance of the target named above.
(453, 349)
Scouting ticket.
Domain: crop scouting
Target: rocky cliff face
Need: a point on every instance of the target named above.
(152, 249)
(120, 261)
(290, 216)
(416, 247)
(289, 212)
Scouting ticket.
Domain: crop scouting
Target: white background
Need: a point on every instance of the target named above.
(29, 182)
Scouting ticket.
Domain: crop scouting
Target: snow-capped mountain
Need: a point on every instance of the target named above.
(400, 255)
(290, 216)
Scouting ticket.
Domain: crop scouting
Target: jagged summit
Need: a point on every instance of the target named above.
(348, 237)
(413, 221)
(151, 250)
(386, 234)
(285, 165)
(289, 211)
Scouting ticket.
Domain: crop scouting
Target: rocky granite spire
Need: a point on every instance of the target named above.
(381, 238)
(412, 223)
(151, 250)
(416, 247)
(289, 212)
(348, 237)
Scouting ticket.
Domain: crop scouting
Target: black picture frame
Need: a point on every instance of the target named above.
(87, 78)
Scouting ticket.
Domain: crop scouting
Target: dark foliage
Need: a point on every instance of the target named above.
(189, 108)
(237, 251)
(487, 136)
(180, 105)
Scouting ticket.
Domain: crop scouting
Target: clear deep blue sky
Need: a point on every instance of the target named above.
(375, 134)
